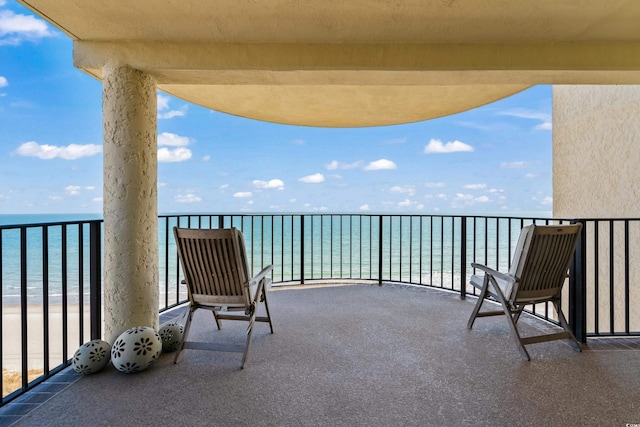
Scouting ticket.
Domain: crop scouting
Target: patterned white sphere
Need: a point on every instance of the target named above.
(91, 357)
(136, 349)
(171, 333)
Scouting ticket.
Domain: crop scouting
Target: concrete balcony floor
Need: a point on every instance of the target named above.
(362, 355)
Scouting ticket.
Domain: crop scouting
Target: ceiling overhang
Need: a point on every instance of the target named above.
(357, 63)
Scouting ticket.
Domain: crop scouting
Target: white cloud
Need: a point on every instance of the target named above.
(400, 190)
(16, 28)
(173, 113)
(437, 146)
(405, 203)
(482, 199)
(365, 208)
(47, 152)
(312, 179)
(97, 200)
(435, 184)
(168, 155)
(526, 114)
(206, 158)
(277, 184)
(55, 198)
(72, 190)
(180, 154)
(530, 175)
(522, 113)
(475, 186)
(187, 198)
(463, 197)
(3, 81)
(334, 164)
(243, 194)
(513, 165)
(224, 186)
(547, 201)
(172, 140)
(163, 104)
(298, 141)
(90, 188)
(382, 164)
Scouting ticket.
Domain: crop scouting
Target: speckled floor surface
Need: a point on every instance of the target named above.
(361, 355)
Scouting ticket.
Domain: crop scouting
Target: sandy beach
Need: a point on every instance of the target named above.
(12, 341)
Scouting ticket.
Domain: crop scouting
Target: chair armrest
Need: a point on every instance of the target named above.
(258, 277)
(494, 273)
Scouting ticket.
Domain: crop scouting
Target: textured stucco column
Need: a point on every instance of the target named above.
(596, 174)
(130, 201)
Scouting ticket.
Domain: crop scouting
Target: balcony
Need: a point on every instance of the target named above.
(386, 343)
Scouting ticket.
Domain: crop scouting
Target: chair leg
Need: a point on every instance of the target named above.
(563, 322)
(481, 298)
(519, 309)
(249, 337)
(512, 319)
(184, 334)
(266, 306)
(215, 316)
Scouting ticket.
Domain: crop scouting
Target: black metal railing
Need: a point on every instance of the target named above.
(51, 274)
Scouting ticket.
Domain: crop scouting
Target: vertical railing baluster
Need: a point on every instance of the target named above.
(166, 265)
(65, 311)
(626, 278)
(45, 298)
(95, 279)
(24, 307)
(577, 290)
(380, 250)
(302, 249)
(612, 328)
(80, 284)
(463, 257)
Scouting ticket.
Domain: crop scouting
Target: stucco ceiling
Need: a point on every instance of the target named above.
(353, 63)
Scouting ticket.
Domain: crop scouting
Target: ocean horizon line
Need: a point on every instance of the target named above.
(8, 219)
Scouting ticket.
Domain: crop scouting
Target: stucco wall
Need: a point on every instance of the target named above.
(596, 151)
(596, 174)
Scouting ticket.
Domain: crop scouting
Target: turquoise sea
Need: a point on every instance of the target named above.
(409, 248)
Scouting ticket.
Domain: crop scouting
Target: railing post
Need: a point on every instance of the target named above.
(380, 251)
(302, 249)
(95, 280)
(463, 257)
(577, 289)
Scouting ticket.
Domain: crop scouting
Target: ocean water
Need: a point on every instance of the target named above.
(406, 248)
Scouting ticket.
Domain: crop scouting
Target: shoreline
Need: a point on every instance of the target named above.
(12, 335)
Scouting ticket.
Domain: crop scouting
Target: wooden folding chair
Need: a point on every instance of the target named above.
(214, 264)
(538, 272)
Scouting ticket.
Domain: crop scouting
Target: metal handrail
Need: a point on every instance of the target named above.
(60, 264)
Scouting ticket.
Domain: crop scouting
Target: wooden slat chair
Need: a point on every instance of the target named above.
(214, 264)
(538, 271)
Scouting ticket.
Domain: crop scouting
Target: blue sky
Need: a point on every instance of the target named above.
(493, 159)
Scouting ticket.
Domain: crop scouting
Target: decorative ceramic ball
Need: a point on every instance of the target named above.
(136, 349)
(91, 357)
(171, 333)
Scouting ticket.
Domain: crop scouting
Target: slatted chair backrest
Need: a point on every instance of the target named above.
(214, 265)
(542, 266)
